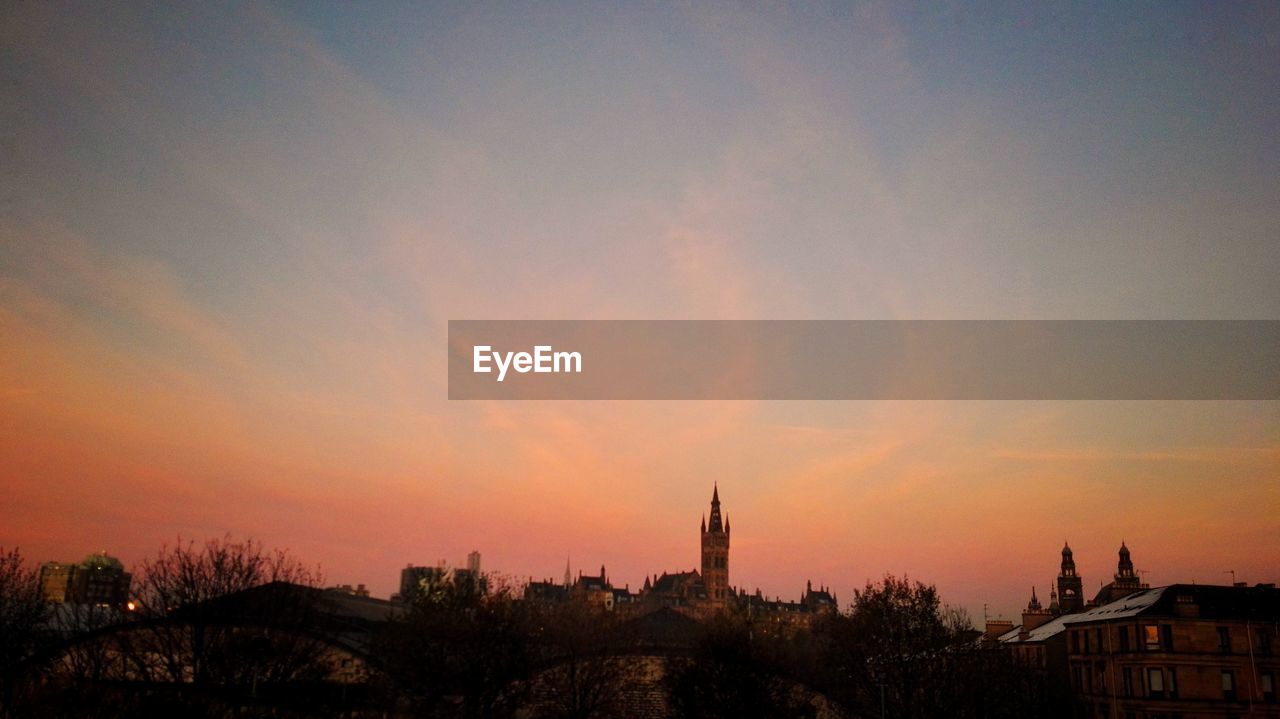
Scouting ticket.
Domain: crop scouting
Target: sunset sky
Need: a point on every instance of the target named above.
(231, 238)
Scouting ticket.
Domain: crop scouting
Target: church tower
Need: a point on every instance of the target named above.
(715, 554)
(1070, 586)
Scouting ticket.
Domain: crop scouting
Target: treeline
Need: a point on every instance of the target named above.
(199, 645)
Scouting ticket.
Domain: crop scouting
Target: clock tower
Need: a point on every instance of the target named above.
(1070, 586)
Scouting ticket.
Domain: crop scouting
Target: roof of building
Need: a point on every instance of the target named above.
(102, 560)
(1211, 602)
(676, 582)
(664, 628)
(1039, 634)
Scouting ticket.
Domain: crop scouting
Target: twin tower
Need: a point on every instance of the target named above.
(1069, 596)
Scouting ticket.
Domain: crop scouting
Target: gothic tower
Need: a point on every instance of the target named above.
(1070, 586)
(715, 553)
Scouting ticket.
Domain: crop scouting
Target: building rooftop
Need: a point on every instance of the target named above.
(1210, 602)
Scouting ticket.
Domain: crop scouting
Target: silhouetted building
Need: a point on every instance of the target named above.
(1177, 651)
(415, 580)
(1126, 581)
(692, 592)
(1184, 650)
(357, 591)
(715, 554)
(99, 579)
(1070, 586)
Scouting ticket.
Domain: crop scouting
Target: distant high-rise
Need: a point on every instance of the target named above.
(99, 579)
(416, 581)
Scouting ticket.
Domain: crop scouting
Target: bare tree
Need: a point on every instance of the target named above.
(742, 666)
(582, 648)
(22, 629)
(200, 624)
(902, 652)
(460, 648)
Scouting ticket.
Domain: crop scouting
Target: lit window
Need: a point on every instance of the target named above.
(1151, 634)
(1228, 685)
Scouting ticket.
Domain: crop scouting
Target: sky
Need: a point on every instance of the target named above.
(231, 237)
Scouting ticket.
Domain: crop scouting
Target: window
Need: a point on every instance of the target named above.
(1097, 639)
(1124, 639)
(1224, 640)
(1085, 632)
(1228, 685)
(1126, 679)
(1101, 668)
(1151, 636)
(1268, 685)
(1264, 642)
(1155, 683)
(1166, 637)
(1075, 642)
(1173, 682)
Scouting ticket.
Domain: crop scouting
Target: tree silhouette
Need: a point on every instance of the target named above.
(586, 670)
(741, 667)
(23, 634)
(460, 648)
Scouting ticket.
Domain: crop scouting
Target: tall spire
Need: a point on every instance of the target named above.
(568, 576)
(1034, 604)
(715, 554)
(715, 524)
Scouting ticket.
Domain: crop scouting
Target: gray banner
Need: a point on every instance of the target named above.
(890, 359)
